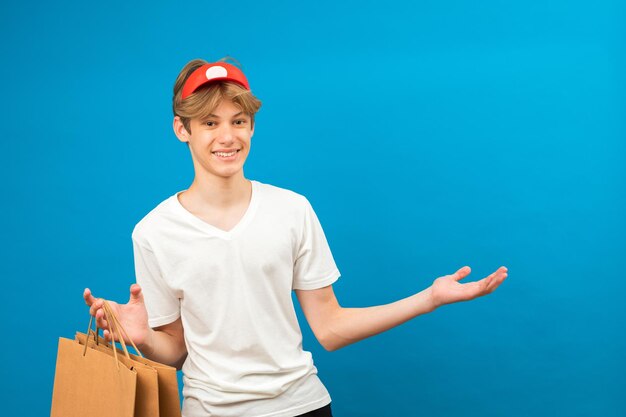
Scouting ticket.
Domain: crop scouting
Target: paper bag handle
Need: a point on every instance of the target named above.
(115, 328)
(95, 335)
(119, 326)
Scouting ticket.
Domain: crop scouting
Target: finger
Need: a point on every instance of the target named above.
(492, 281)
(96, 305)
(110, 337)
(497, 273)
(462, 273)
(101, 322)
(486, 283)
(497, 280)
(488, 280)
(136, 296)
(89, 299)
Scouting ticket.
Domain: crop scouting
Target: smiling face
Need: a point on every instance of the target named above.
(219, 143)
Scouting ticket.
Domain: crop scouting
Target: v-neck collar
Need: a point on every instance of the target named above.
(216, 231)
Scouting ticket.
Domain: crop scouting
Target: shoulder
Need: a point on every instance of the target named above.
(152, 222)
(282, 196)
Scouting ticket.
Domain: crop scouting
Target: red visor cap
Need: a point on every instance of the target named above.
(208, 73)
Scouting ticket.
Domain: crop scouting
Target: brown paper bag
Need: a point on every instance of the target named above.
(88, 381)
(147, 392)
(169, 400)
(91, 383)
(168, 397)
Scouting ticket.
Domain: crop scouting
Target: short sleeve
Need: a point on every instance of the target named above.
(314, 266)
(163, 307)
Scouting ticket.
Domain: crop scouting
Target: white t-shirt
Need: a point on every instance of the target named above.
(232, 290)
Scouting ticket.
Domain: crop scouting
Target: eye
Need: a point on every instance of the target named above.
(240, 122)
(210, 123)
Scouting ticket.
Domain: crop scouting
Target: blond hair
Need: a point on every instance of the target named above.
(203, 101)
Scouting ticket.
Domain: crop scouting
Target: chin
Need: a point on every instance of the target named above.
(229, 173)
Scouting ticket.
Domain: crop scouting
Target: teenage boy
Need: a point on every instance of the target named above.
(216, 264)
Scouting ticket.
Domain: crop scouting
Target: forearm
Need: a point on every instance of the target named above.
(164, 348)
(349, 325)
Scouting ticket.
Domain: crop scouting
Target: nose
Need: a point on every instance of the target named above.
(226, 133)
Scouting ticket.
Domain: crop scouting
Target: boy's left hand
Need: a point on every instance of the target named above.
(448, 289)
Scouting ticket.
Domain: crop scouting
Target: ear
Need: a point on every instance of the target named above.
(179, 130)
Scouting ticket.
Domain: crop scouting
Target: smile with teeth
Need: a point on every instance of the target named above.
(224, 154)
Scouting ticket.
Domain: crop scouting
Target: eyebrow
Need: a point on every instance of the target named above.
(214, 116)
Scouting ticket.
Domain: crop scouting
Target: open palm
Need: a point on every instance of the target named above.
(448, 289)
(132, 315)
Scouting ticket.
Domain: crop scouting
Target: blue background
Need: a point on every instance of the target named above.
(427, 135)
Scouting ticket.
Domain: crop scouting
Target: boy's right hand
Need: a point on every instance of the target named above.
(132, 315)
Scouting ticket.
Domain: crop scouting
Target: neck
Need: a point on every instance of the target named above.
(219, 192)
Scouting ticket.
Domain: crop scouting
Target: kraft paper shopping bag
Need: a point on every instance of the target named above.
(147, 393)
(168, 394)
(91, 383)
(169, 399)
